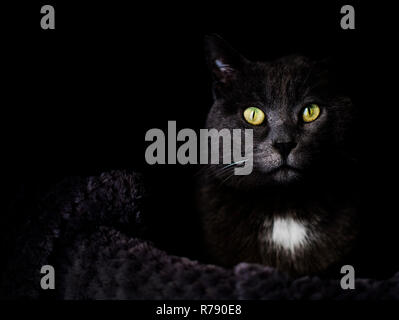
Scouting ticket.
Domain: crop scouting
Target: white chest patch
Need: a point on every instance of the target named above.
(289, 233)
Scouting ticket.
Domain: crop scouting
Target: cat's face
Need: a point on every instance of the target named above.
(298, 120)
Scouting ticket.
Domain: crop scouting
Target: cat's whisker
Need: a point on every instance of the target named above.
(219, 170)
(227, 168)
(224, 180)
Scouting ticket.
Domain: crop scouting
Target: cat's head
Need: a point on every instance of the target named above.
(297, 116)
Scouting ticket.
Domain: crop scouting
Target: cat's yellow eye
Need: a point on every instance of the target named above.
(311, 113)
(254, 116)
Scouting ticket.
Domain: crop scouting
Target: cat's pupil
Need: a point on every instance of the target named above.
(308, 112)
(252, 114)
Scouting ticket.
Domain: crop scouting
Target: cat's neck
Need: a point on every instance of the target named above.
(294, 228)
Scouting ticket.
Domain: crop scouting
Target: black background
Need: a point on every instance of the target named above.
(78, 100)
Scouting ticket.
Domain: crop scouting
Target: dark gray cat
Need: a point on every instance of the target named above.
(296, 211)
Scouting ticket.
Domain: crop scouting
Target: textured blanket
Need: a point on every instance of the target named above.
(91, 230)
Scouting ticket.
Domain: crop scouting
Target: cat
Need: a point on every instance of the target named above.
(297, 210)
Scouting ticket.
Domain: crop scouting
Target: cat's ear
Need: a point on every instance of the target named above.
(224, 62)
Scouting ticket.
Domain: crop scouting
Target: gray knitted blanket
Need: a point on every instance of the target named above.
(90, 230)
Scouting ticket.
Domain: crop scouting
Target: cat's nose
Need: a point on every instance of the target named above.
(284, 148)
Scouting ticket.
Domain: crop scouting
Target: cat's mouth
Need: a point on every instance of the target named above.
(284, 168)
(285, 173)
